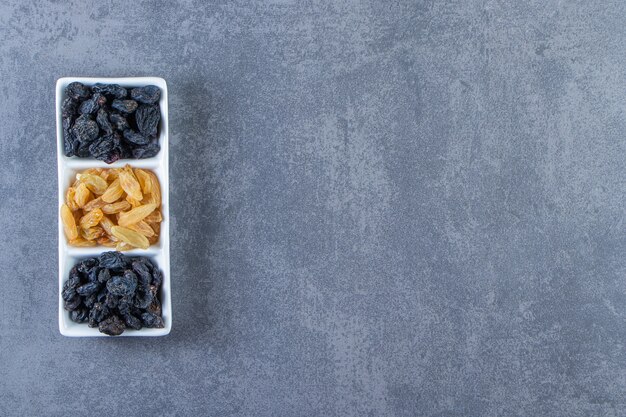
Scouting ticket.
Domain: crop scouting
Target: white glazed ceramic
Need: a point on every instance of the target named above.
(67, 169)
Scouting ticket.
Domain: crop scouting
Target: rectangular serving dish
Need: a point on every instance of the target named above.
(67, 169)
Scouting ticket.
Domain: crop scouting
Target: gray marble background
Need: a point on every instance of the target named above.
(403, 208)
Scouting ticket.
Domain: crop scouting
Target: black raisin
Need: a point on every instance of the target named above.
(119, 121)
(79, 315)
(112, 326)
(104, 275)
(85, 129)
(77, 91)
(102, 118)
(122, 285)
(102, 148)
(68, 107)
(143, 297)
(98, 312)
(86, 265)
(135, 137)
(112, 260)
(147, 118)
(69, 291)
(88, 289)
(152, 320)
(147, 151)
(91, 300)
(125, 304)
(114, 90)
(132, 322)
(143, 273)
(111, 300)
(92, 105)
(73, 303)
(149, 94)
(157, 277)
(125, 106)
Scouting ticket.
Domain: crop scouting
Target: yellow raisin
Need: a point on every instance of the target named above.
(155, 189)
(91, 219)
(94, 204)
(105, 241)
(153, 239)
(116, 207)
(95, 183)
(70, 199)
(69, 224)
(129, 183)
(113, 192)
(123, 246)
(130, 236)
(154, 217)
(82, 195)
(135, 215)
(134, 203)
(143, 228)
(79, 241)
(144, 180)
(92, 233)
(106, 224)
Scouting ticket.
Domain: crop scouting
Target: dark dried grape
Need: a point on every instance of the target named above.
(112, 326)
(152, 320)
(142, 271)
(119, 122)
(125, 304)
(88, 289)
(125, 106)
(77, 91)
(112, 260)
(157, 277)
(122, 285)
(149, 94)
(143, 297)
(74, 278)
(93, 104)
(136, 138)
(80, 315)
(111, 300)
(147, 151)
(132, 322)
(86, 265)
(91, 300)
(104, 276)
(85, 129)
(114, 90)
(97, 313)
(102, 118)
(69, 291)
(147, 118)
(73, 303)
(68, 107)
(102, 147)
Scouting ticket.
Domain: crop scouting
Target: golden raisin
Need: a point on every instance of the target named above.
(94, 182)
(91, 219)
(135, 215)
(82, 195)
(94, 204)
(69, 224)
(116, 207)
(130, 236)
(113, 192)
(129, 183)
(92, 233)
(79, 241)
(154, 217)
(143, 228)
(134, 203)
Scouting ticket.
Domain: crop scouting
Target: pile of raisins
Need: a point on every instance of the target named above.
(114, 292)
(108, 122)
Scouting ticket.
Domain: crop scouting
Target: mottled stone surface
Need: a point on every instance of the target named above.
(406, 208)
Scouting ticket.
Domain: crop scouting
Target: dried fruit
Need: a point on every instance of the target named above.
(69, 225)
(82, 195)
(93, 119)
(135, 215)
(143, 228)
(125, 106)
(131, 237)
(113, 192)
(91, 219)
(149, 94)
(147, 118)
(88, 210)
(116, 207)
(94, 204)
(129, 183)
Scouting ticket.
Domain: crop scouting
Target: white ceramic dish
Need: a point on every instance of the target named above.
(67, 169)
